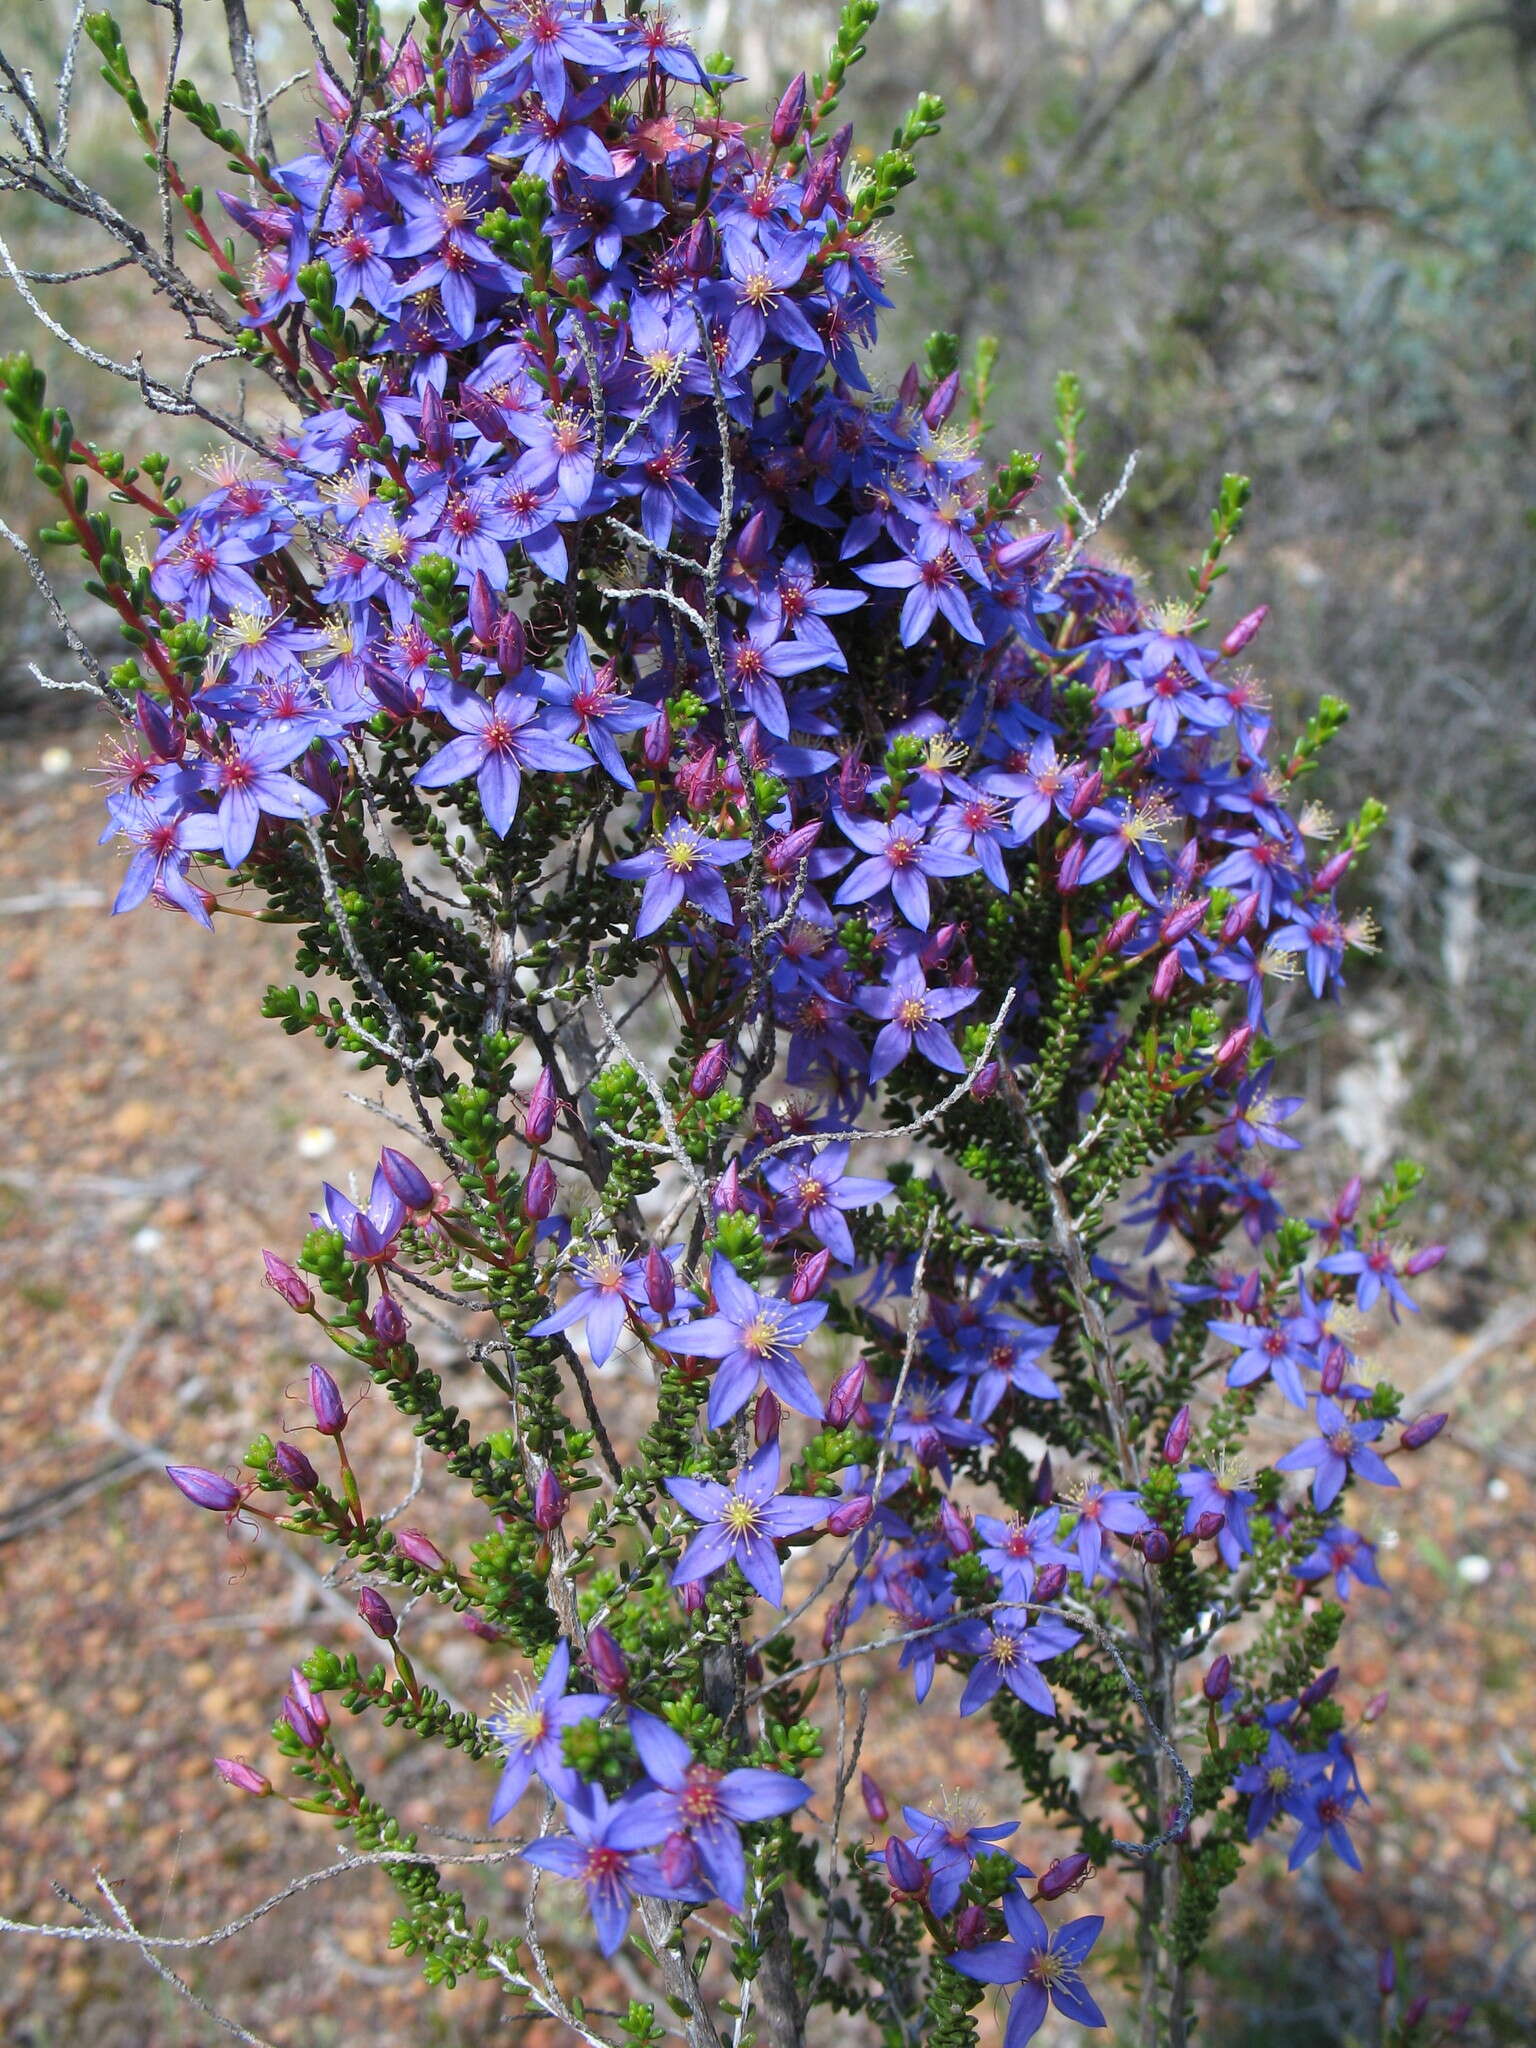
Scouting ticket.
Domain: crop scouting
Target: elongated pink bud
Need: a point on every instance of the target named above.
(1207, 1526)
(330, 1410)
(378, 1614)
(1233, 1046)
(955, 1530)
(766, 1418)
(406, 1178)
(1166, 979)
(1217, 1682)
(1121, 930)
(1066, 1874)
(283, 1280)
(1424, 1431)
(1334, 869)
(709, 1070)
(237, 1772)
(607, 1662)
(416, 1545)
(656, 741)
(789, 113)
(550, 1501)
(1424, 1261)
(1181, 922)
(850, 1515)
(810, 1273)
(1176, 1441)
(660, 1282)
(1087, 793)
(205, 1489)
(985, 1079)
(1239, 918)
(874, 1799)
(543, 1109)
(1244, 630)
(846, 1396)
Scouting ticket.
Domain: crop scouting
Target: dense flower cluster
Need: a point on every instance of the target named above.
(597, 545)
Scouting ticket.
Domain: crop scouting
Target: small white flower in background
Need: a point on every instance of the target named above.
(1473, 1570)
(314, 1141)
(1498, 1489)
(56, 760)
(147, 1242)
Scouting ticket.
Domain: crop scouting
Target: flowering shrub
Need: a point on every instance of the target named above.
(824, 923)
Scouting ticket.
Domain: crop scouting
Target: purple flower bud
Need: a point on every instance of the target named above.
(679, 1859)
(985, 1079)
(1066, 1874)
(873, 1797)
(1239, 918)
(1321, 1686)
(1045, 1481)
(1050, 1583)
(283, 1280)
(850, 1515)
(550, 1501)
(699, 252)
(970, 1926)
(391, 1325)
(766, 1417)
(1244, 630)
(293, 1468)
(1332, 1373)
(1347, 1206)
(484, 612)
(1233, 1046)
(1386, 1972)
(1415, 2012)
(378, 1614)
(1248, 1291)
(1208, 1526)
(325, 1399)
(1176, 1442)
(1217, 1682)
(709, 1070)
(539, 1191)
(313, 1705)
(1166, 979)
(1333, 870)
(205, 1489)
(1070, 871)
(909, 390)
(809, 1275)
(903, 1869)
(543, 1108)
(1375, 1707)
(1424, 1261)
(789, 113)
(954, 1528)
(407, 1179)
(942, 401)
(819, 185)
(1086, 794)
(847, 1392)
(164, 736)
(727, 1198)
(419, 1548)
(237, 1772)
(1120, 930)
(511, 645)
(660, 1282)
(300, 1721)
(1178, 924)
(1419, 1433)
(607, 1662)
(1156, 1546)
(656, 741)
(477, 1625)
(691, 1595)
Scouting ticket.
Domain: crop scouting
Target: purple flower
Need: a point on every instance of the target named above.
(368, 1235)
(605, 1286)
(1045, 1966)
(557, 36)
(1343, 1449)
(755, 1337)
(900, 859)
(949, 1844)
(500, 739)
(1007, 1650)
(165, 850)
(914, 1011)
(559, 135)
(1277, 1782)
(1098, 1508)
(708, 1806)
(933, 586)
(1345, 1554)
(813, 1192)
(593, 700)
(612, 1875)
(1016, 1549)
(531, 1725)
(203, 572)
(1011, 1361)
(1323, 1811)
(249, 780)
(1374, 1267)
(1264, 1348)
(758, 660)
(742, 1522)
(682, 868)
(1210, 1494)
(1045, 783)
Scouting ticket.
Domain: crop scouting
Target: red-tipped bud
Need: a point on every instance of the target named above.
(788, 114)
(810, 1273)
(237, 1772)
(1050, 1584)
(1217, 1682)
(293, 1468)
(391, 1325)
(873, 1797)
(660, 1282)
(850, 1515)
(766, 1417)
(1176, 1441)
(543, 1108)
(1156, 1546)
(709, 1070)
(607, 1662)
(1066, 1874)
(1166, 979)
(970, 1926)
(539, 1191)
(679, 1859)
(1208, 1526)
(407, 1179)
(1321, 1686)
(1334, 869)
(378, 1614)
(1244, 630)
(846, 1396)
(656, 741)
(955, 1529)
(1424, 1261)
(550, 1501)
(1424, 1431)
(1239, 918)
(419, 1548)
(283, 1280)
(325, 1399)
(903, 1869)
(205, 1489)
(1234, 1046)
